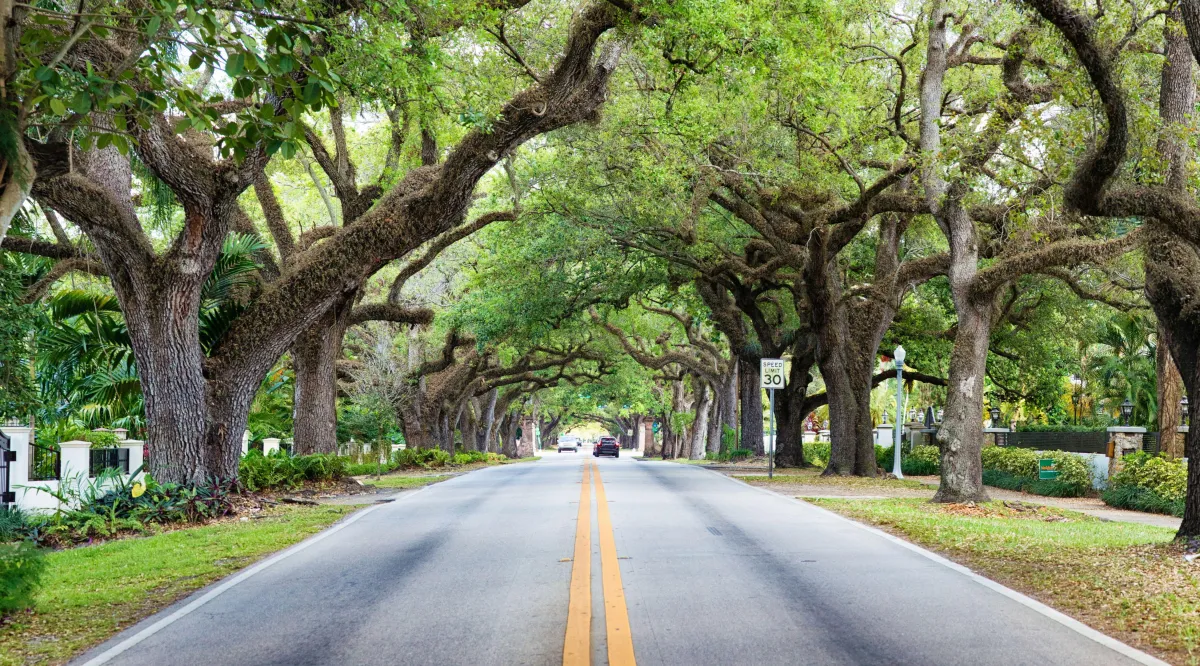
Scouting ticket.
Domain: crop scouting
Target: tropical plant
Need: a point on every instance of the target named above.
(1122, 366)
(21, 569)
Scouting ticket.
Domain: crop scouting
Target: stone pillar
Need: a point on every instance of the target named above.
(245, 442)
(823, 436)
(884, 436)
(995, 435)
(270, 444)
(1181, 430)
(1123, 440)
(136, 451)
(18, 470)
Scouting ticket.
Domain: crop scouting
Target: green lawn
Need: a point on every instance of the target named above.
(90, 593)
(403, 481)
(1125, 579)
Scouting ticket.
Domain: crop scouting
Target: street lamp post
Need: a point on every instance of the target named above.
(1183, 411)
(1126, 411)
(899, 356)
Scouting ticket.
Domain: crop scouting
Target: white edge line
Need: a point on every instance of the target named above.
(228, 583)
(1029, 602)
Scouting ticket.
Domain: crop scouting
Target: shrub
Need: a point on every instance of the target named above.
(21, 568)
(1017, 469)
(1137, 498)
(921, 461)
(421, 458)
(363, 469)
(1012, 460)
(470, 457)
(280, 470)
(14, 524)
(817, 453)
(1165, 477)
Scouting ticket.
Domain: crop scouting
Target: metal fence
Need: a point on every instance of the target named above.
(45, 464)
(106, 459)
(7, 456)
(1074, 442)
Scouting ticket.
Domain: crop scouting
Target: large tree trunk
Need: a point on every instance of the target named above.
(791, 409)
(1172, 282)
(700, 425)
(488, 432)
(750, 398)
(712, 437)
(314, 358)
(961, 434)
(729, 404)
(1170, 390)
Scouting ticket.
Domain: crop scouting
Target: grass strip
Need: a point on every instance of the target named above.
(1124, 579)
(91, 593)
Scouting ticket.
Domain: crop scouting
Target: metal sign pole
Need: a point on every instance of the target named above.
(771, 456)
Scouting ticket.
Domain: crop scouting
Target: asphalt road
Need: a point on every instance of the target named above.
(478, 570)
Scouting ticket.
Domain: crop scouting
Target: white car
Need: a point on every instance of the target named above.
(568, 444)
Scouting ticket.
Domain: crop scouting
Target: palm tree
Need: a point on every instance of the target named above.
(1122, 366)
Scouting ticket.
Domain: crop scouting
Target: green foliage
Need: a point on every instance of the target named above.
(21, 568)
(1017, 469)
(278, 470)
(366, 468)
(921, 461)
(1012, 460)
(1124, 368)
(1165, 477)
(1138, 498)
(817, 453)
(421, 458)
(107, 505)
(14, 523)
(729, 455)
(18, 393)
(1034, 486)
(272, 411)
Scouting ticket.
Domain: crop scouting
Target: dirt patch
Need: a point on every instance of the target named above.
(1018, 510)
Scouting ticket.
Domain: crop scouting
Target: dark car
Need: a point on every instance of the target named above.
(607, 446)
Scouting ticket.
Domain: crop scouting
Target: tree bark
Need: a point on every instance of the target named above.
(750, 398)
(314, 358)
(700, 424)
(961, 434)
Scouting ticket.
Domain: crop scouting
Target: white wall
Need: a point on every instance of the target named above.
(75, 465)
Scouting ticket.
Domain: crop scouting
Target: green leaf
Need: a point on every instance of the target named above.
(236, 64)
(57, 106)
(153, 25)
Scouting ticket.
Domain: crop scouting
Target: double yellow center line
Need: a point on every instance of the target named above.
(577, 649)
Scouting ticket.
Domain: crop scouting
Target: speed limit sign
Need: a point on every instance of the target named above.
(772, 373)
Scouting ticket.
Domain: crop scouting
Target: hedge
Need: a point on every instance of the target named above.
(1018, 470)
(1147, 482)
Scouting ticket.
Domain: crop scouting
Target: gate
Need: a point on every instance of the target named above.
(7, 458)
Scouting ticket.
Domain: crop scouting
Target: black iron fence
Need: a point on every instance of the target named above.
(106, 459)
(7, 456)
(1074, 442)
(45, 464)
